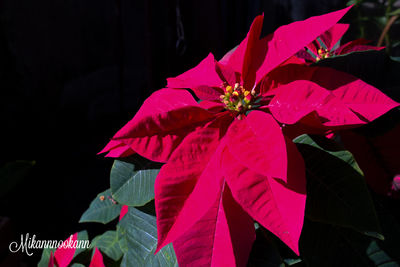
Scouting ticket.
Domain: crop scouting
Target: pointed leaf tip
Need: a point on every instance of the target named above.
(287, 40)
(97, 259)
(64, 254)
(375, 235)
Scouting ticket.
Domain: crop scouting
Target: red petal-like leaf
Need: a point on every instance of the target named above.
(289, 39)
(227, 74)
(97, 259)
(226, 58)
(278, 206)
(191, 173)
(254, 54)
(248, 56)
(305, 56)
(223, 237)
(65, 253)
(164, 119)
(212, 106)
(363, 99)
(284, 75)
(124, 211)
(51, 260)
(258, 143)
(331, 37)
(355, 46)
(297, 99)
(117, 149)
(202, 79)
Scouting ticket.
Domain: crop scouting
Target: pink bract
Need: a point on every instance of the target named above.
(230, 159)
(63, 256)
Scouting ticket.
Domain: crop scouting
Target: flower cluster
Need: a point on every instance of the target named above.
(238, 99)
(229, 158)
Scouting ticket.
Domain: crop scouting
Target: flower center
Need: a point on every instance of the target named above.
(237, 98)
(323, 53)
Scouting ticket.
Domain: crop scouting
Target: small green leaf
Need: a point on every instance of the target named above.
(131, 184)
(379, 256)
(292, 262)
(103, 209)
(108, 243)
(375, 235)
(139, 230)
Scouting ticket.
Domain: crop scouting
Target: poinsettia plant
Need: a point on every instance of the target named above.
(232, 150)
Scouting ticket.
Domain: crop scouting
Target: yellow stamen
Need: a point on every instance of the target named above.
(237, 99)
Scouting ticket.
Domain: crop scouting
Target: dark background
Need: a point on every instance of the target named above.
(73, 72)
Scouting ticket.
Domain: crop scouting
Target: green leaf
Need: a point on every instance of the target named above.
(103, 209)
(293, 262)
(77, 265)
(329, 146)
(12, 173)
(397, 59)
(395, 12)
(336, 190)
(377, 255)
(108, 243)
(131, 184)
(139, 230)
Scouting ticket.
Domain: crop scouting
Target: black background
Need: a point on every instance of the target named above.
(73, 72)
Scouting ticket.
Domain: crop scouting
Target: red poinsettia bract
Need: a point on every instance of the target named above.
(327, 45)
(230, 159)
(64, 255)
